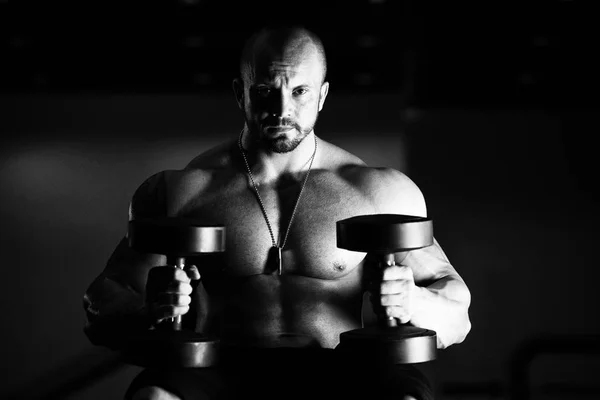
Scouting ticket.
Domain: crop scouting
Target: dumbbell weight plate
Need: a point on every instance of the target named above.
(404, 344)
(176, 349)
(171, 236)
(384, 233)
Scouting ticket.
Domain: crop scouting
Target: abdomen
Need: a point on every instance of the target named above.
(261, 308)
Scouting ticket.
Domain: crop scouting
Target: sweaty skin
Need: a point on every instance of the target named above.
(242, 298)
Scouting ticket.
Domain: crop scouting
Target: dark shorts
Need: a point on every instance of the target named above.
(282, 373)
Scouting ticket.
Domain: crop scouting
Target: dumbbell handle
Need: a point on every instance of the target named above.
(177, 262)
(389, 322)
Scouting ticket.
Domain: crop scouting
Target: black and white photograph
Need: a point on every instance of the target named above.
(299, 200)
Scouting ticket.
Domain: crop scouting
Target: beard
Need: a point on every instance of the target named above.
(279, 144)
(284, 145)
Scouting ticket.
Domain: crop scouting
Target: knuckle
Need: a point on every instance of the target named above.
(393, 272)
(180, 275)
(390, 287)
(386, 300)
(182, 310)
(177, 310)
(390, 312)
(184, 300)
(387, 272)
(385, 287)
(178, 300)
(185, 288)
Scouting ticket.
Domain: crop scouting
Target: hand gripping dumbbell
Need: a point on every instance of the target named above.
(169, 345)
(383, 235)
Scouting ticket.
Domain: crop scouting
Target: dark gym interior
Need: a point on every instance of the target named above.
(489, 107)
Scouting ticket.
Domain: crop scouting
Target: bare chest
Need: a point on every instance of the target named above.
(307, 236)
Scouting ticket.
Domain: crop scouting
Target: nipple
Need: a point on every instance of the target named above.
(339, 267)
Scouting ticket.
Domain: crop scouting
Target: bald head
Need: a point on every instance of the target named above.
(272, 44)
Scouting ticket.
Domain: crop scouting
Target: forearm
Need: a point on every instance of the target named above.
(443, 307)
(113, 312)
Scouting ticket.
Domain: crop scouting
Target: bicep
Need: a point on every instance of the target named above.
(126, 265)
(129, 267)
(432, 269)
(400, 195)
(396, 193)
(120, 288)
(428, 264)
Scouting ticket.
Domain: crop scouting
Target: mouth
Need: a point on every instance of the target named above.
(278, 128)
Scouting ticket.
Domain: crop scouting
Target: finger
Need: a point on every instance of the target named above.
(163, 312)
(172, 299)
(179, 287)
(181, 275)
(395, 272)
(192, 272)
(396, 300)
(401, 313)
(394, 287)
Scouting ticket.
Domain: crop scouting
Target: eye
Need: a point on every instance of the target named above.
(300, 91)
(263, 91)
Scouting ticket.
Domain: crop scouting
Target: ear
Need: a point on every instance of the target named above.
(238, 90)
(323, 94)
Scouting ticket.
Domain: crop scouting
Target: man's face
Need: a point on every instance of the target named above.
(282, 97)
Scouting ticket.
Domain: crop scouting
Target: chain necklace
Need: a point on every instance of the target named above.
(276, 248)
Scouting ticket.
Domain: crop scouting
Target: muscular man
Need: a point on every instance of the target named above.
(278, 185)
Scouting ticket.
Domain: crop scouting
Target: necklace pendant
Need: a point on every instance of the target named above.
(279, 261)
(275, 261)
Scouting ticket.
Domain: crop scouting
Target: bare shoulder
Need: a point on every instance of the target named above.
(217, 157)
(393, 192)
(163, 192)
(334, 157)
(150, 198)
(390, 191)
(201, 169)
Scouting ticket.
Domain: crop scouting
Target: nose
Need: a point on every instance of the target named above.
(280, 105)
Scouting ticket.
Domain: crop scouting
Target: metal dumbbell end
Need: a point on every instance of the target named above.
(384, 235)
(176, 238)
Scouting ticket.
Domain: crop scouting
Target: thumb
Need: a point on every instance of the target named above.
(192, 272)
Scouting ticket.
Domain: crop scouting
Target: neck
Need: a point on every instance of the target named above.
(270, 167)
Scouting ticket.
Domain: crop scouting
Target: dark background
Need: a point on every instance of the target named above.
(490, 107)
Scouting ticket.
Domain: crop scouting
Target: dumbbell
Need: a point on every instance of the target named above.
(383, 235)
(169, 345)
